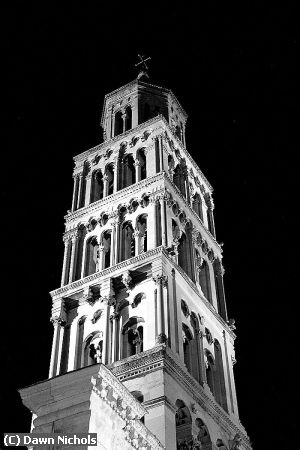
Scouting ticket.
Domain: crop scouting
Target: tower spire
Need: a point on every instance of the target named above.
(143, 69)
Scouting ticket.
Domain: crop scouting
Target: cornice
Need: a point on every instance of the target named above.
(92, 207)
(162, 358)
(120, 137)
(80, 284)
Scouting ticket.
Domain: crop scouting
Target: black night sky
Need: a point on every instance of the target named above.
(233, 68)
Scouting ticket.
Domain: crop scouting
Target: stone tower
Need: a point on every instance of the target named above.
(143, 351)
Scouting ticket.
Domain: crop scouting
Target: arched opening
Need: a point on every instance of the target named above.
(109, 172)
(137, 299)
(128, 118)
(220, 289)
(79, 256)
(146, 112)
(203, 435)
(170, 165)
(141, 226)
(97, 186)
(197, 205)
(141, 157)
(219, 382)
(93, 349)
(204, 281)
(175, 231)
(210, 369)
(133, 335)
(195, 347)
(128, 171)
(127, 241)
(185, 253)
(140, 398)
(106, 242)
(183, 421)
(91, 261)
(79, 342)
(187, 338)
(118, 123)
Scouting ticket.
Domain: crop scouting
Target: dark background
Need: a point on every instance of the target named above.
(233, 68)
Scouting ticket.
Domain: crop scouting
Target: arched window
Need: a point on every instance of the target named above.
(93, 349)
(204, 281)
(203, 435)
(118, 123)
(183, 421)
(140, 398)
(170, 165)
(106, 242)
(197, 205)
(141, 157)
(79, 256)
(81, 193)
(195, 347)
(97, 186)
(133, 335)
(219, 382)
(128, 171)
(127, 241)
(146, 112)
(220, 289)
(175, 231)
(187, 338)
(109, 172)
(79, 342)
(210, 369)
(141, 226)
(185, 253)
(128, 118)
(91, 261)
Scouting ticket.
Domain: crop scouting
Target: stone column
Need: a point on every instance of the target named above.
(160, 281)
(230, 377)
(137, 165)
(88, 187)
(112, 243)
(201, 357)
(114, 320)
(152, 224)
(65, 275)
(75, 192)
(161, 159)
(107, 296)
(124, 121)
(138, 242)
(101, 257)
(176, 322)
(163, 222)
(105, 185)
(73, 257)
(116, 174)
(117, 241)
(80, 188)
(57, 322)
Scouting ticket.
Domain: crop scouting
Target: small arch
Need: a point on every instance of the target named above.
(187, 338)
(128, 118)
(204, 280)
(183, 421)
(197, 205)
(92, 253)
(127, 241)
(93, 348)
(118, 123)
(128, 170)
(141, 157)
(203, 435)
(133, 336)
(141, 229)
(210, 369)
(106, 242)
(137, 299)
(109, 172)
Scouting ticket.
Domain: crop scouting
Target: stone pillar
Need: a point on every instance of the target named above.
(117, 241)
(114, 344)
(57, 323)
(137, 165)
(161, 159)
(138, 242)
(163, 222)
(73, 258)
(101, 257)
(88, 187)
(201, 357)
(116, 174)
(105, 185)
(152, 224)
(124, 121)
(107, 296)
(80, 189)
(160, 281)
(65, 275)
(175, 306)
(112, 243)
(75, 192)
(232, 405)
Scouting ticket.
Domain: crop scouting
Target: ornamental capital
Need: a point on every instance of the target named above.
(160, 280)
(57, 320)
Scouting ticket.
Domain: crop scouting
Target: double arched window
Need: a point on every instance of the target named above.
(133, 336)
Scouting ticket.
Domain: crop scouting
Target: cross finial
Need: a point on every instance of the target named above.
(144, 67)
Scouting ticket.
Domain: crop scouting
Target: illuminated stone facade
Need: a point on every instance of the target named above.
(142, 287)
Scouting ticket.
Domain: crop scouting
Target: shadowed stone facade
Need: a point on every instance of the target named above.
(141, 310)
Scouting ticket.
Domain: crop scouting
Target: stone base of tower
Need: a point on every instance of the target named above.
(90, 400)
(166, 383)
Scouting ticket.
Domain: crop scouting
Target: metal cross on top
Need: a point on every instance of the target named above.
(142, 62)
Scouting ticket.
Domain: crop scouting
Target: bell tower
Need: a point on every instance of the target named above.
(141, 309)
